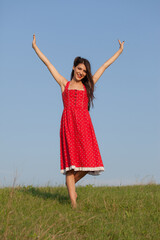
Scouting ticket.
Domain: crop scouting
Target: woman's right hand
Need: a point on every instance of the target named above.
(34, 41)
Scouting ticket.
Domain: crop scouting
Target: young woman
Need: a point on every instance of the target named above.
(79, 151)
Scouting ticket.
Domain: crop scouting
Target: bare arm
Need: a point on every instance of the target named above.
(101, 70)
(58, 77)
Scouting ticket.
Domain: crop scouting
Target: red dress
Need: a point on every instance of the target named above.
(78, 145)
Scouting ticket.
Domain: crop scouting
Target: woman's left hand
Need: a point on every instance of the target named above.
(121, 44)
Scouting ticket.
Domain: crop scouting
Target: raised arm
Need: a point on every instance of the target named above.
(58, 77)
(101, 70)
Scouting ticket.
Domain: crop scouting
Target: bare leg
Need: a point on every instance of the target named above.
(71, 178)
(78, 175)
(70, 182)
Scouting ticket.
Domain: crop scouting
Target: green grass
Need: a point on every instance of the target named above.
(112, 213)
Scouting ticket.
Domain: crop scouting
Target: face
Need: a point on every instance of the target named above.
(80, 71)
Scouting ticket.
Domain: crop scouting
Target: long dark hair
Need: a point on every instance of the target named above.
(87, 80)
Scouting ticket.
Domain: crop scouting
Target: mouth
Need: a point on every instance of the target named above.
(79, 75)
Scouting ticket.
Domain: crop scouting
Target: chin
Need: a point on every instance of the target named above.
(78, 80)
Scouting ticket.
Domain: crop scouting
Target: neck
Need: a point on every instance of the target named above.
(76, 82)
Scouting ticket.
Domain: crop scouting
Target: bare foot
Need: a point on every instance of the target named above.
(74, 205)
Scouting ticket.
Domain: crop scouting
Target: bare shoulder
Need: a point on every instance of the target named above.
(63, 84)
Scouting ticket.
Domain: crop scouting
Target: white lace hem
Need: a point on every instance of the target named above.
(92, 171)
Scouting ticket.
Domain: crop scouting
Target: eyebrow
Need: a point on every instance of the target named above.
(82, 69)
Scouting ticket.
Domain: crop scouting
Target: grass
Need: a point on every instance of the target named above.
(111, 213)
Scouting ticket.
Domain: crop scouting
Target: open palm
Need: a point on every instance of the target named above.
(34, 40)
(121, 44)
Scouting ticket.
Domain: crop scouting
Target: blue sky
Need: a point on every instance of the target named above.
(126, 113)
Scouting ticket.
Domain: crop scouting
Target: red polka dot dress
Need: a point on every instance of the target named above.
(78, 145)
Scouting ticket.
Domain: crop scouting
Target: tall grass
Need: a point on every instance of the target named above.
(112, 213)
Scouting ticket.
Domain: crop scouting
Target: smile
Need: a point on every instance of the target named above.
(79, 75)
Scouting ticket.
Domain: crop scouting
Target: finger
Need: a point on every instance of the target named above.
(119, 41)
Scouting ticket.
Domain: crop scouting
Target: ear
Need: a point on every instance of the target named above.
(73, 67)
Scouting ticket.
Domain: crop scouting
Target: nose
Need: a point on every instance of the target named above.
(81, 72)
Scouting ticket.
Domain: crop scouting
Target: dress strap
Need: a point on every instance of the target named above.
(67, 85)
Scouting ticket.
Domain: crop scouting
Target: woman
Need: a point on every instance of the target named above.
(79, 151)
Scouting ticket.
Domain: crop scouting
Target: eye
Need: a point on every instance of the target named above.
(79, 68)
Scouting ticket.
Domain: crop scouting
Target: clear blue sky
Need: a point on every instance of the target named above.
(126, 113)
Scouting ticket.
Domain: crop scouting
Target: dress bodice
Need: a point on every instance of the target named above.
(75, 98)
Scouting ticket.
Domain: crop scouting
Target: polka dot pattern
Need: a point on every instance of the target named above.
(79, 149)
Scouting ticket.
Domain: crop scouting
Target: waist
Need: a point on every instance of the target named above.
(75, 108)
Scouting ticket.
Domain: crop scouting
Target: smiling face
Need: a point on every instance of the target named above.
(80, 72)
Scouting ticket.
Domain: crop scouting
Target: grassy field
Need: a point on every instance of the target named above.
(111, 213)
